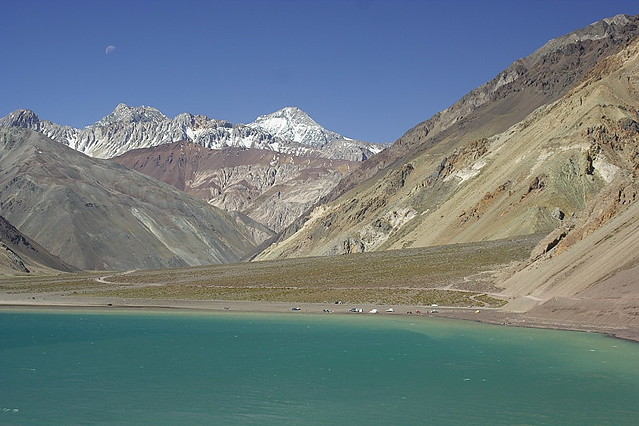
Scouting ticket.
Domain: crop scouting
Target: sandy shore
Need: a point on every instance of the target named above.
(488, 316)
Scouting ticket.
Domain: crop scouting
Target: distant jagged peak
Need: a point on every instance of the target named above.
(614, 28)
(127, 114)
(24, 118)
(290, 113)
(285, 116)
(619, 19)
(291, 123)
(196, 121)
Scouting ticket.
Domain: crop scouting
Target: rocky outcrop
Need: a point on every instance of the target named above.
(11, 261)
(20, 254)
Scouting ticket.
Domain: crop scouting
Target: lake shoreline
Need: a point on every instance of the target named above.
(494, 316)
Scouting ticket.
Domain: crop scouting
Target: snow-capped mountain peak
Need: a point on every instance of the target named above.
(22, 118)
(127, 114)
(291, 123)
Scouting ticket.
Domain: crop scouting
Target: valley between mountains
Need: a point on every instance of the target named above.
(519, 201)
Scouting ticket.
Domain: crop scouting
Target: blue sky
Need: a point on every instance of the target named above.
(367, 69)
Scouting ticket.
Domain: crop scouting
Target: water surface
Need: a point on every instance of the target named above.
(87, 367)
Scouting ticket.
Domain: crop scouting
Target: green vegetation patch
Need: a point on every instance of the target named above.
(489, 301)
(48, 284)
(306, 295)
(453, 275)
(429, 267)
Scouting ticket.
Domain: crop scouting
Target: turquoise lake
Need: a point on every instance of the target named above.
(88, 367)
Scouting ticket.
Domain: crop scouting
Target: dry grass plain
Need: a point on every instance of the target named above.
(453, 275)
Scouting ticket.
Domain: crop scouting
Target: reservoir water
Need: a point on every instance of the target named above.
(92, 367)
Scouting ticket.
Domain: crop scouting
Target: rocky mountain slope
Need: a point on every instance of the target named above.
(128, 128)
(429, 187)
(21, 255)
(524, 86)
(588, 264)
(548, 146)
(269, 187)
(95, 214)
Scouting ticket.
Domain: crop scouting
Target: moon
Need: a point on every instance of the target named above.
(110, 49)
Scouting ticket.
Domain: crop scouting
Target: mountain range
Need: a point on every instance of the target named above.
(271, 170)
(97, 215)
(289, 131)
(550, 147)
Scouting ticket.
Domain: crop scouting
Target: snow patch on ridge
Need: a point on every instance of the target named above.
(468, 172)
(606, 170)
